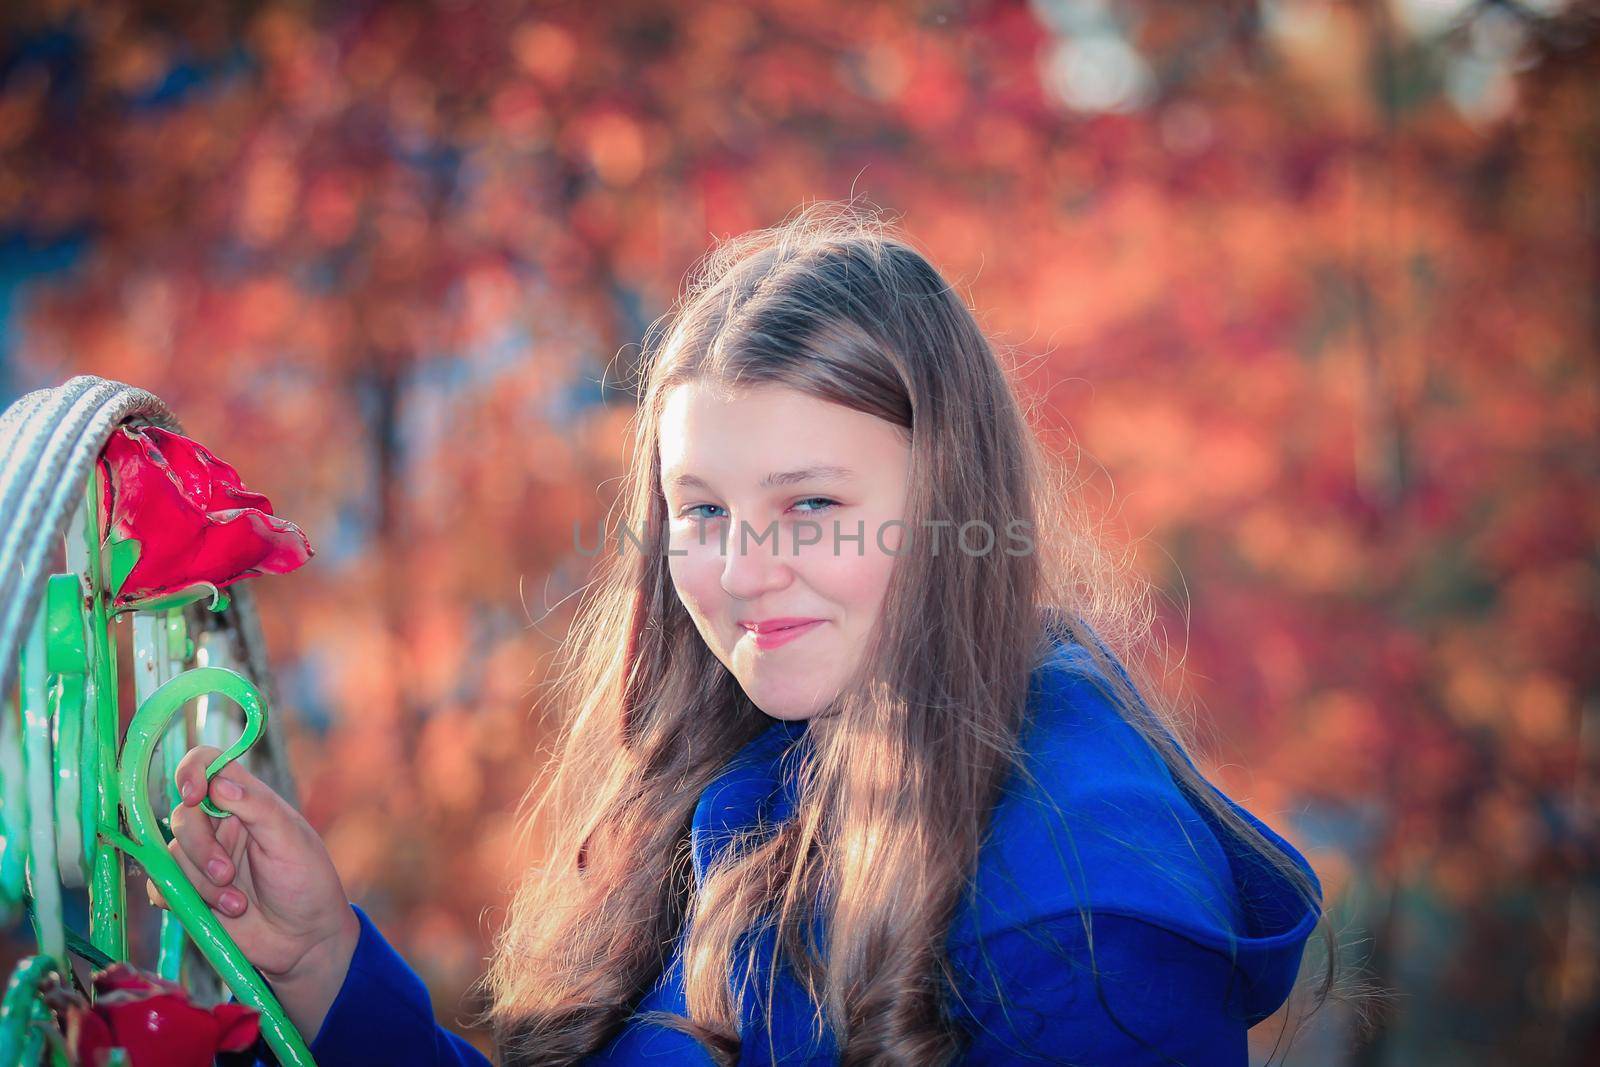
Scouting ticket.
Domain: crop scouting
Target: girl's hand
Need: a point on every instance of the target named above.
(270, 881)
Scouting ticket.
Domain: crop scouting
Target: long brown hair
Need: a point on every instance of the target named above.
(906, 765)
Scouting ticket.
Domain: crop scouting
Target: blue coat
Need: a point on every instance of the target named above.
(1166, 897)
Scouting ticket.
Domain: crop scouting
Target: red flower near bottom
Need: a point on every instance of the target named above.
(150, 1017)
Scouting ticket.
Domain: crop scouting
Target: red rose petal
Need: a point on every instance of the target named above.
(87, 1034)
(162, 1031)
(125, 976)
(240, 1026)
(150, 1017)
(192, 516)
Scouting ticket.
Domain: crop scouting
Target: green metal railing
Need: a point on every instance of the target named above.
(78, 795)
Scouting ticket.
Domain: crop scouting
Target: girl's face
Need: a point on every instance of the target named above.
(776, 511)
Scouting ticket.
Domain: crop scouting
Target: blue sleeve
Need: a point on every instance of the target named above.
(383, 1015)
(1030, 996)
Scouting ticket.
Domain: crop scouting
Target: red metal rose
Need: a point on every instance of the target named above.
(181, 524)
(151, 1018)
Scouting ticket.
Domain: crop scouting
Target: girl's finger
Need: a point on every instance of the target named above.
(190, 777)
(195, 832)
(225, 900)
(273, 822)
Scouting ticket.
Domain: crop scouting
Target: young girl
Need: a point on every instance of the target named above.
(848, 774)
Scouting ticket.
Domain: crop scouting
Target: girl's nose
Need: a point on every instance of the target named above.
(755, 562)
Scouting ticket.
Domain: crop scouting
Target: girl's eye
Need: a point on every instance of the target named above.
(823, 504)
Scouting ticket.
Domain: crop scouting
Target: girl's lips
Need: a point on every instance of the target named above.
(775, 638)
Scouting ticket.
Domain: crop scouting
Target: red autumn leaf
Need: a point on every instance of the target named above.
(191, 518)
(151, 1018)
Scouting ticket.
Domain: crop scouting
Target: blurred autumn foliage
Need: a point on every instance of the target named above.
(1315, 283)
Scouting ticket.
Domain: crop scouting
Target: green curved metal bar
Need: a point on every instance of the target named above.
(13, 812)
(66, 712)
(149, 847)
(88, 769)
(108, 892)
(38, 767)
(67, 659)
(17, 1010)
(161, 651)
(34, 1040)
(254, 723)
